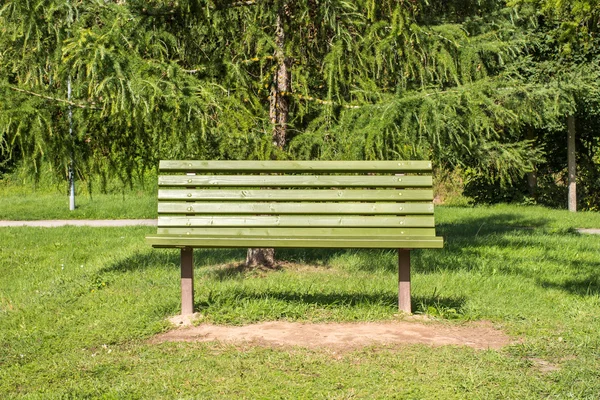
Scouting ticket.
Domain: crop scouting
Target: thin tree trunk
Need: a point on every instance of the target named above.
(278, 110)
(278, 113)
(532, 176)
(72, 160)
(571, 163)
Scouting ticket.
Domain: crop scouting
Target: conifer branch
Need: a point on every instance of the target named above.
(172, 11)
(317, 100)
(256, 59)
(243, 3)
(69, 102)
(158, 12)
(441, 92)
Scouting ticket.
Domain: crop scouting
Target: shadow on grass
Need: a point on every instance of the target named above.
(490, 224)
(433, 305)
(239, 270)
(170, 258)
(143, 261)
(471, 244)
(586, 286)
(325, 300)
(475, 230)
(361, 259)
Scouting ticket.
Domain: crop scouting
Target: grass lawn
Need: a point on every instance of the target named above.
(78, 305)
(19, 201)
(99, 206)
(132, 204)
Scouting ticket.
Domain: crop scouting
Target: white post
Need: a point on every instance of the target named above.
(72, 161)
(571, 163)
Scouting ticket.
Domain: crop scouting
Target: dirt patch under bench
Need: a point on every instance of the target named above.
(479, 335)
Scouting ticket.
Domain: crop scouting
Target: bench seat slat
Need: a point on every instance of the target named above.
(296, 231)
(296, 220)
(294, 181)
(336, 195)
(413, 242)
(293, 166)
(293, 208)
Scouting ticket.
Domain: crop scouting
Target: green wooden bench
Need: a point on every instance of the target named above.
(331, 204)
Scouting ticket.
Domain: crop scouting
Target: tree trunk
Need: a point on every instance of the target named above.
(278, 110)
(571, 163)
(260, 257)
(278, 113)
(532, 176)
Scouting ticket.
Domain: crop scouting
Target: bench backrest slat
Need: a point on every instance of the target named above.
(294, 166)
(278, 231)
(212, 221)
(295, 181)
(338, 195)
(304, 208)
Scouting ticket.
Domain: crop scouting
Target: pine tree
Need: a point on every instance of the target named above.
(458, 82)
(567, 55)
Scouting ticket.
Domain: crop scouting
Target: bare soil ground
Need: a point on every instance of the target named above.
(343, 336)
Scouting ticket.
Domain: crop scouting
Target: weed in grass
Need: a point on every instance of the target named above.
(439, 307)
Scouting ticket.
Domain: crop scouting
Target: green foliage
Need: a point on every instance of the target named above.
(570, 63)
(455, 81)
(573, 25)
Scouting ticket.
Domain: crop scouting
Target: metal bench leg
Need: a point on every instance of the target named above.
(404, 280)
(187, 281)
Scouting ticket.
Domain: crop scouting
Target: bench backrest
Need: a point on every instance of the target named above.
(295, 198)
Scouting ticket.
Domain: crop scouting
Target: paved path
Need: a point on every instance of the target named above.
(590, 231)
(81, 222)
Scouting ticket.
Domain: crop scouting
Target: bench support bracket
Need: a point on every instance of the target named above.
(404, 280)
(187, 281)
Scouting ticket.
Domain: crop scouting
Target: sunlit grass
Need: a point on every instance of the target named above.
(48, 200)
(78, 304)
